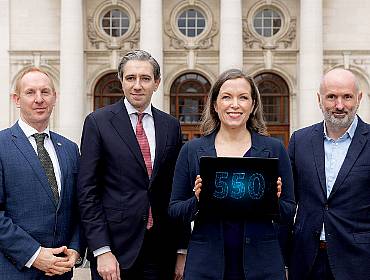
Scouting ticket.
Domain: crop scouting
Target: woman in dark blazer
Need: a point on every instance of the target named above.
(231, 249)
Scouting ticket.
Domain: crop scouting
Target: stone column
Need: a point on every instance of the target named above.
(310, 61)
(231, 36)
(71, 98)
(5, 102)
(151, 39)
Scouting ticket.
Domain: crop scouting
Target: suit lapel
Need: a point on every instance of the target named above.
(258, 148)
(161, 134)
(25, 147)
(358, 143)
(122, 124)
(207, 148)
(63, 165)
(317, 142)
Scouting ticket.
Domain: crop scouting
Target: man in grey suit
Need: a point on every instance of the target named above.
(39, 233)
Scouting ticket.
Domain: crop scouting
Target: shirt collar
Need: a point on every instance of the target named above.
(350, 131)
(29, 130)
(131, 110)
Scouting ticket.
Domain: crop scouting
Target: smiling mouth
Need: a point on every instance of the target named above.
(234, 114)
(339, 114)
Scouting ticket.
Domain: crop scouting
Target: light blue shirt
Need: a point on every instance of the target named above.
(335, 153)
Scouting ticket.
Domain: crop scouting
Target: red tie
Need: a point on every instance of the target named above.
(145, 150)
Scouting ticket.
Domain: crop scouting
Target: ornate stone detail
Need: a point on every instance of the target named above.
(290, 35)
(253, 41)
(99, 39)
(188, 43)
(250, 41)
(94, 39)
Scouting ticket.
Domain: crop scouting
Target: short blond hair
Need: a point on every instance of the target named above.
(17, 89)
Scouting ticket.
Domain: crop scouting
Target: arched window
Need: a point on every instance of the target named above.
(275, 99)
(108, 90)
(188, 95)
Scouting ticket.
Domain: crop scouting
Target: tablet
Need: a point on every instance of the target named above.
(239, 187)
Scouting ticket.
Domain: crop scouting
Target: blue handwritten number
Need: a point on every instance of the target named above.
(237, 186)
(221, 186)
(256, 186)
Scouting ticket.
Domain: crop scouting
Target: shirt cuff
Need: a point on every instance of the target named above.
(182, 251)
(101, 251)
(33, 258)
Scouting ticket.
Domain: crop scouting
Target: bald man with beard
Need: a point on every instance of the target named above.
(331, 168)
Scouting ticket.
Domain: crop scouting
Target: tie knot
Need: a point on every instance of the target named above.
(39, 137)
(140, 117)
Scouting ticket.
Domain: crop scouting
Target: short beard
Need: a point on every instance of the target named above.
(339, 123)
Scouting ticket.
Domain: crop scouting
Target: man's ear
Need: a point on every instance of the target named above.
(15, 98)
(319, 99)
(359, 97)
(157, 82)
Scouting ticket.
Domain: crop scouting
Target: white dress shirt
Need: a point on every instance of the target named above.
(48, 144)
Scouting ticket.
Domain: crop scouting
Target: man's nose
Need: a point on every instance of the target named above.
(137, 83)
(339, 104)
(38, 97)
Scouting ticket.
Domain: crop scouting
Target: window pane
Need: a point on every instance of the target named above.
(267, 13)
(201, 23)
(191, 13)
(181, 23)
(191, 32)
(191, 23)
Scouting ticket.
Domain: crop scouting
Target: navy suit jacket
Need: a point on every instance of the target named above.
(262, 254)
(346, 213)
(29, 217)
(114, 188)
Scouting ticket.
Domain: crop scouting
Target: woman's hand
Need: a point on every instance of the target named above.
(279, 184)
(197, 186)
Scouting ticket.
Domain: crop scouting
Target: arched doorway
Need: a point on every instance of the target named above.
(107, 91)
(275, 99)
(188, 95)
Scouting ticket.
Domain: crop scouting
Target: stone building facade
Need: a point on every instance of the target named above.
(285, 44)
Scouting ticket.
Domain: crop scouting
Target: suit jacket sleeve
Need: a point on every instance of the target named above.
(183, 203)
(90, 205)
(77, 242)
(15, 243)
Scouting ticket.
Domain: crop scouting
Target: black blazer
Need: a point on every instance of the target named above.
(262, 254)
(113, 186)
(346, 213)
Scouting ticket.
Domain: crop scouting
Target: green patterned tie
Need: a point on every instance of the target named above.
(47, 164)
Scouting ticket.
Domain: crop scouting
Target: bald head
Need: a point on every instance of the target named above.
(340, 78)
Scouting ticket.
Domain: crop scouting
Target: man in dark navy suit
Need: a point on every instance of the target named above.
(331, 167)
(129, 150)
(39, 233)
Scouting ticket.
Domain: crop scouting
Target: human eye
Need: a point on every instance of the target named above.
(244, 97)
(129, 78)
(330, 97)
(46, 92)
(225, 97)
(29, 92)
(348, 96)
(146, 78)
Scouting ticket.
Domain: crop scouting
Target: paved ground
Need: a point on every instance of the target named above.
(82, 274)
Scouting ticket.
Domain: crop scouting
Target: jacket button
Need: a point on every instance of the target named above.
(247, 240)
(326, 207)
